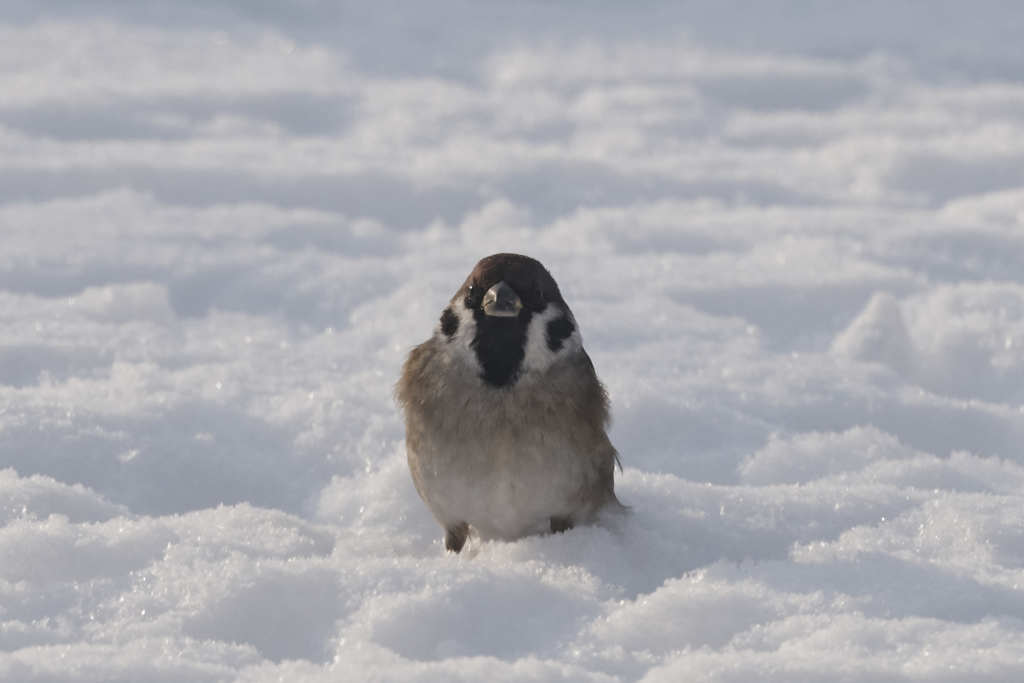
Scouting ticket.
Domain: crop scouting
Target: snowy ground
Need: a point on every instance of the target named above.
(793, 235)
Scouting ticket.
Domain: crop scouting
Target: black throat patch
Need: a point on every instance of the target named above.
(500, 346)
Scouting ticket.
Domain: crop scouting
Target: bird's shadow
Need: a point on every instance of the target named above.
(673, 526)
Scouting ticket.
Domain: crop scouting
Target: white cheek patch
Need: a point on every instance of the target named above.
(539, 354)
(458, 345)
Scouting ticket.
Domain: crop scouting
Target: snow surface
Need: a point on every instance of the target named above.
(792, 234)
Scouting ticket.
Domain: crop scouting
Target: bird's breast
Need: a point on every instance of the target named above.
(503, 459)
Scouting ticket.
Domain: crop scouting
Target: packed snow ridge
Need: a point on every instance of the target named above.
(793, 239)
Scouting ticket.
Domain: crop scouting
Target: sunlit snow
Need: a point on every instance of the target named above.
(792, 235)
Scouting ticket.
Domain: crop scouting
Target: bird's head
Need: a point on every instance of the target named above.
(508, 319)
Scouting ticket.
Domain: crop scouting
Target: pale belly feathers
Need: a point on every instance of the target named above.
(505, 488)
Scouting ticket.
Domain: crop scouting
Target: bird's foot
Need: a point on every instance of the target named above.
(560, 524)
(455, 537)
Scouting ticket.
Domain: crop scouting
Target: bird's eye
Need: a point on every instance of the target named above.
(472, 297)
(534, 299)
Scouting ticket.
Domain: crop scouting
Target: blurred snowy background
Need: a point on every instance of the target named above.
(792, 233)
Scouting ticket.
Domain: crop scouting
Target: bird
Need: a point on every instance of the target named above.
(505, 418)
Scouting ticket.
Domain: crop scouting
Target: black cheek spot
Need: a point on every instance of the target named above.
(449, 323)
(558, 331)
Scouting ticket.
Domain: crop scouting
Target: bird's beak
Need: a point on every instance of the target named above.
(502, 301)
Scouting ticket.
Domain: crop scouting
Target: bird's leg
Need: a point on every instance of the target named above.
(560, 524)
(455, 537)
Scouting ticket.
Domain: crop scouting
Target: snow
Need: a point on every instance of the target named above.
(793, 239)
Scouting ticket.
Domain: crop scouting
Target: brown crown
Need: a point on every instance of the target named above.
(526, 275)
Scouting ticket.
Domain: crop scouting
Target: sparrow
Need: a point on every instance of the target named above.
(505, 418)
